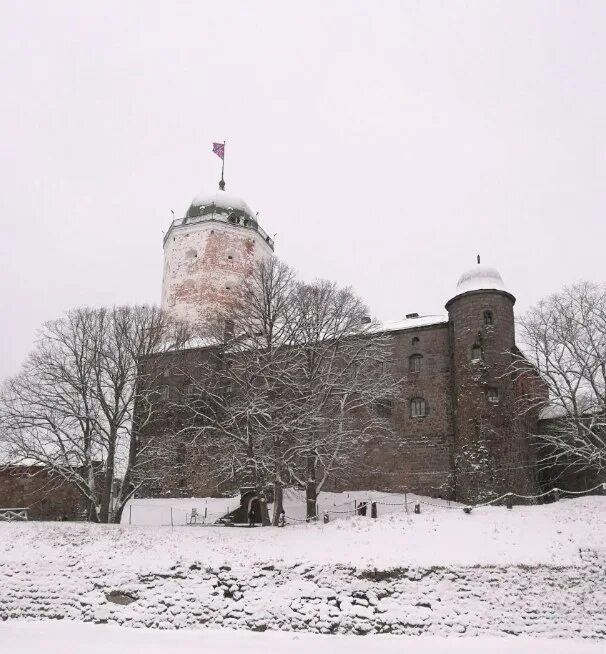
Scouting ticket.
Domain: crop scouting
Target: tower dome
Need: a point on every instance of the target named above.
(219, 203)
(480, 278)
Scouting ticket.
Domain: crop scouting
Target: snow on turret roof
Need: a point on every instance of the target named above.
(480, 278)
(221, 199)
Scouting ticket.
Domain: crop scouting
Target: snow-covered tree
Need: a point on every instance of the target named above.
(70, 409)
(288, 390)
(564, 338)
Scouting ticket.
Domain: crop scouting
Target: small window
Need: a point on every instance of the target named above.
(488, 318)
(188, 390)
(384, 407)
(417, 407)
(414, 363)
(164, 392)
(415, 340)
(492, 394)
(476, 352)
(229, 257)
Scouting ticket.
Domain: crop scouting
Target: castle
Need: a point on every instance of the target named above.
(459, 432)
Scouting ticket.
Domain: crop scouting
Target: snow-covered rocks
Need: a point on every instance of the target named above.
(392, 575)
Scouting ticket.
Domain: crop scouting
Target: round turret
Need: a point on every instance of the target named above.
(208, 253)
(489, 449)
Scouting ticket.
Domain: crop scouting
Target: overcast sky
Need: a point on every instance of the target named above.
(386, 143)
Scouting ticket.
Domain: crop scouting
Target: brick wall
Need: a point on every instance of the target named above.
(420, 457)
(46, 496)
(492, 450)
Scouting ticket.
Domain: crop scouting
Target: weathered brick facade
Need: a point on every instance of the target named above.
(469, 444)
(46, 496)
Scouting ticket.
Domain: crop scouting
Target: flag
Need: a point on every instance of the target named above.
(219, 149)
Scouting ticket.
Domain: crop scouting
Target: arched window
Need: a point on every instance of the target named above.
(414, 363)
(417, 407)
(415, 340)
(488, 320)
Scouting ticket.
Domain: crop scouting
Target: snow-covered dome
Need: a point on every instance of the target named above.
(480, 278)
(219, 202)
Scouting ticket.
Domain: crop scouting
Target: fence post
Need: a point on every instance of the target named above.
(171, 517)
(417, 508)
(373, 510)
(130, 514)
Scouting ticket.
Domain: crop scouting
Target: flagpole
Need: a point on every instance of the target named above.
(222, 185)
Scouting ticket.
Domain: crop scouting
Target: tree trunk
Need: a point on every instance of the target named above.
(278, 502)
(106, 495)
(311, 494)
(265, 521)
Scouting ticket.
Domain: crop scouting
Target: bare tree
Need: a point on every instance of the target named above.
(290, 384)
(564, 338)
(70, 410)
(346, 385)
(238, 403)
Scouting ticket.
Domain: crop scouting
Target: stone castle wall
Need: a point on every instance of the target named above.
(203, 265)
(46, 496)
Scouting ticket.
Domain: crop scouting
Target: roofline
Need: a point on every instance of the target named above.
(441, 323)
(478, 291)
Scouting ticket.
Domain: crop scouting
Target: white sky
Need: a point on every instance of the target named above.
(386, 143)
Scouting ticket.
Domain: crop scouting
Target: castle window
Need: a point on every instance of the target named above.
(476, 352)
(415, 340)
(488, 318)
(414, 363)
(384, 407)
(188, 390)
(417, 407)
(164, 392)
(492, 394)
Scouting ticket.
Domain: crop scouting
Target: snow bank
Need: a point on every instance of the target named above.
(531, 571)
(65, 638)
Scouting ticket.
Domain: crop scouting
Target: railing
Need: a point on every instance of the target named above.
(10, 515)
(218, 217)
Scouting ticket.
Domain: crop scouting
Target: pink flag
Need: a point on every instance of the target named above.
(219, 149)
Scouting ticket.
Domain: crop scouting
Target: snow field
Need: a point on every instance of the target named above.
(72, 638)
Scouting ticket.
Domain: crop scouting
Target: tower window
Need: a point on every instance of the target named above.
(492, 394)
(488, 320)
(476, 352)
(417, 407)
(384, 407)
(414, 363)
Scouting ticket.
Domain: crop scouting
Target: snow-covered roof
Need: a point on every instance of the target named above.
(480, 278)
(223, 200)
(412, 323)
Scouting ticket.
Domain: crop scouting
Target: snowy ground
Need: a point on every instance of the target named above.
(532, 571)
(174, 511)
(74, 637)
(552, 534)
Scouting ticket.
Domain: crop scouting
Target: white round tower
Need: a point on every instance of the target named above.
(208, 253)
